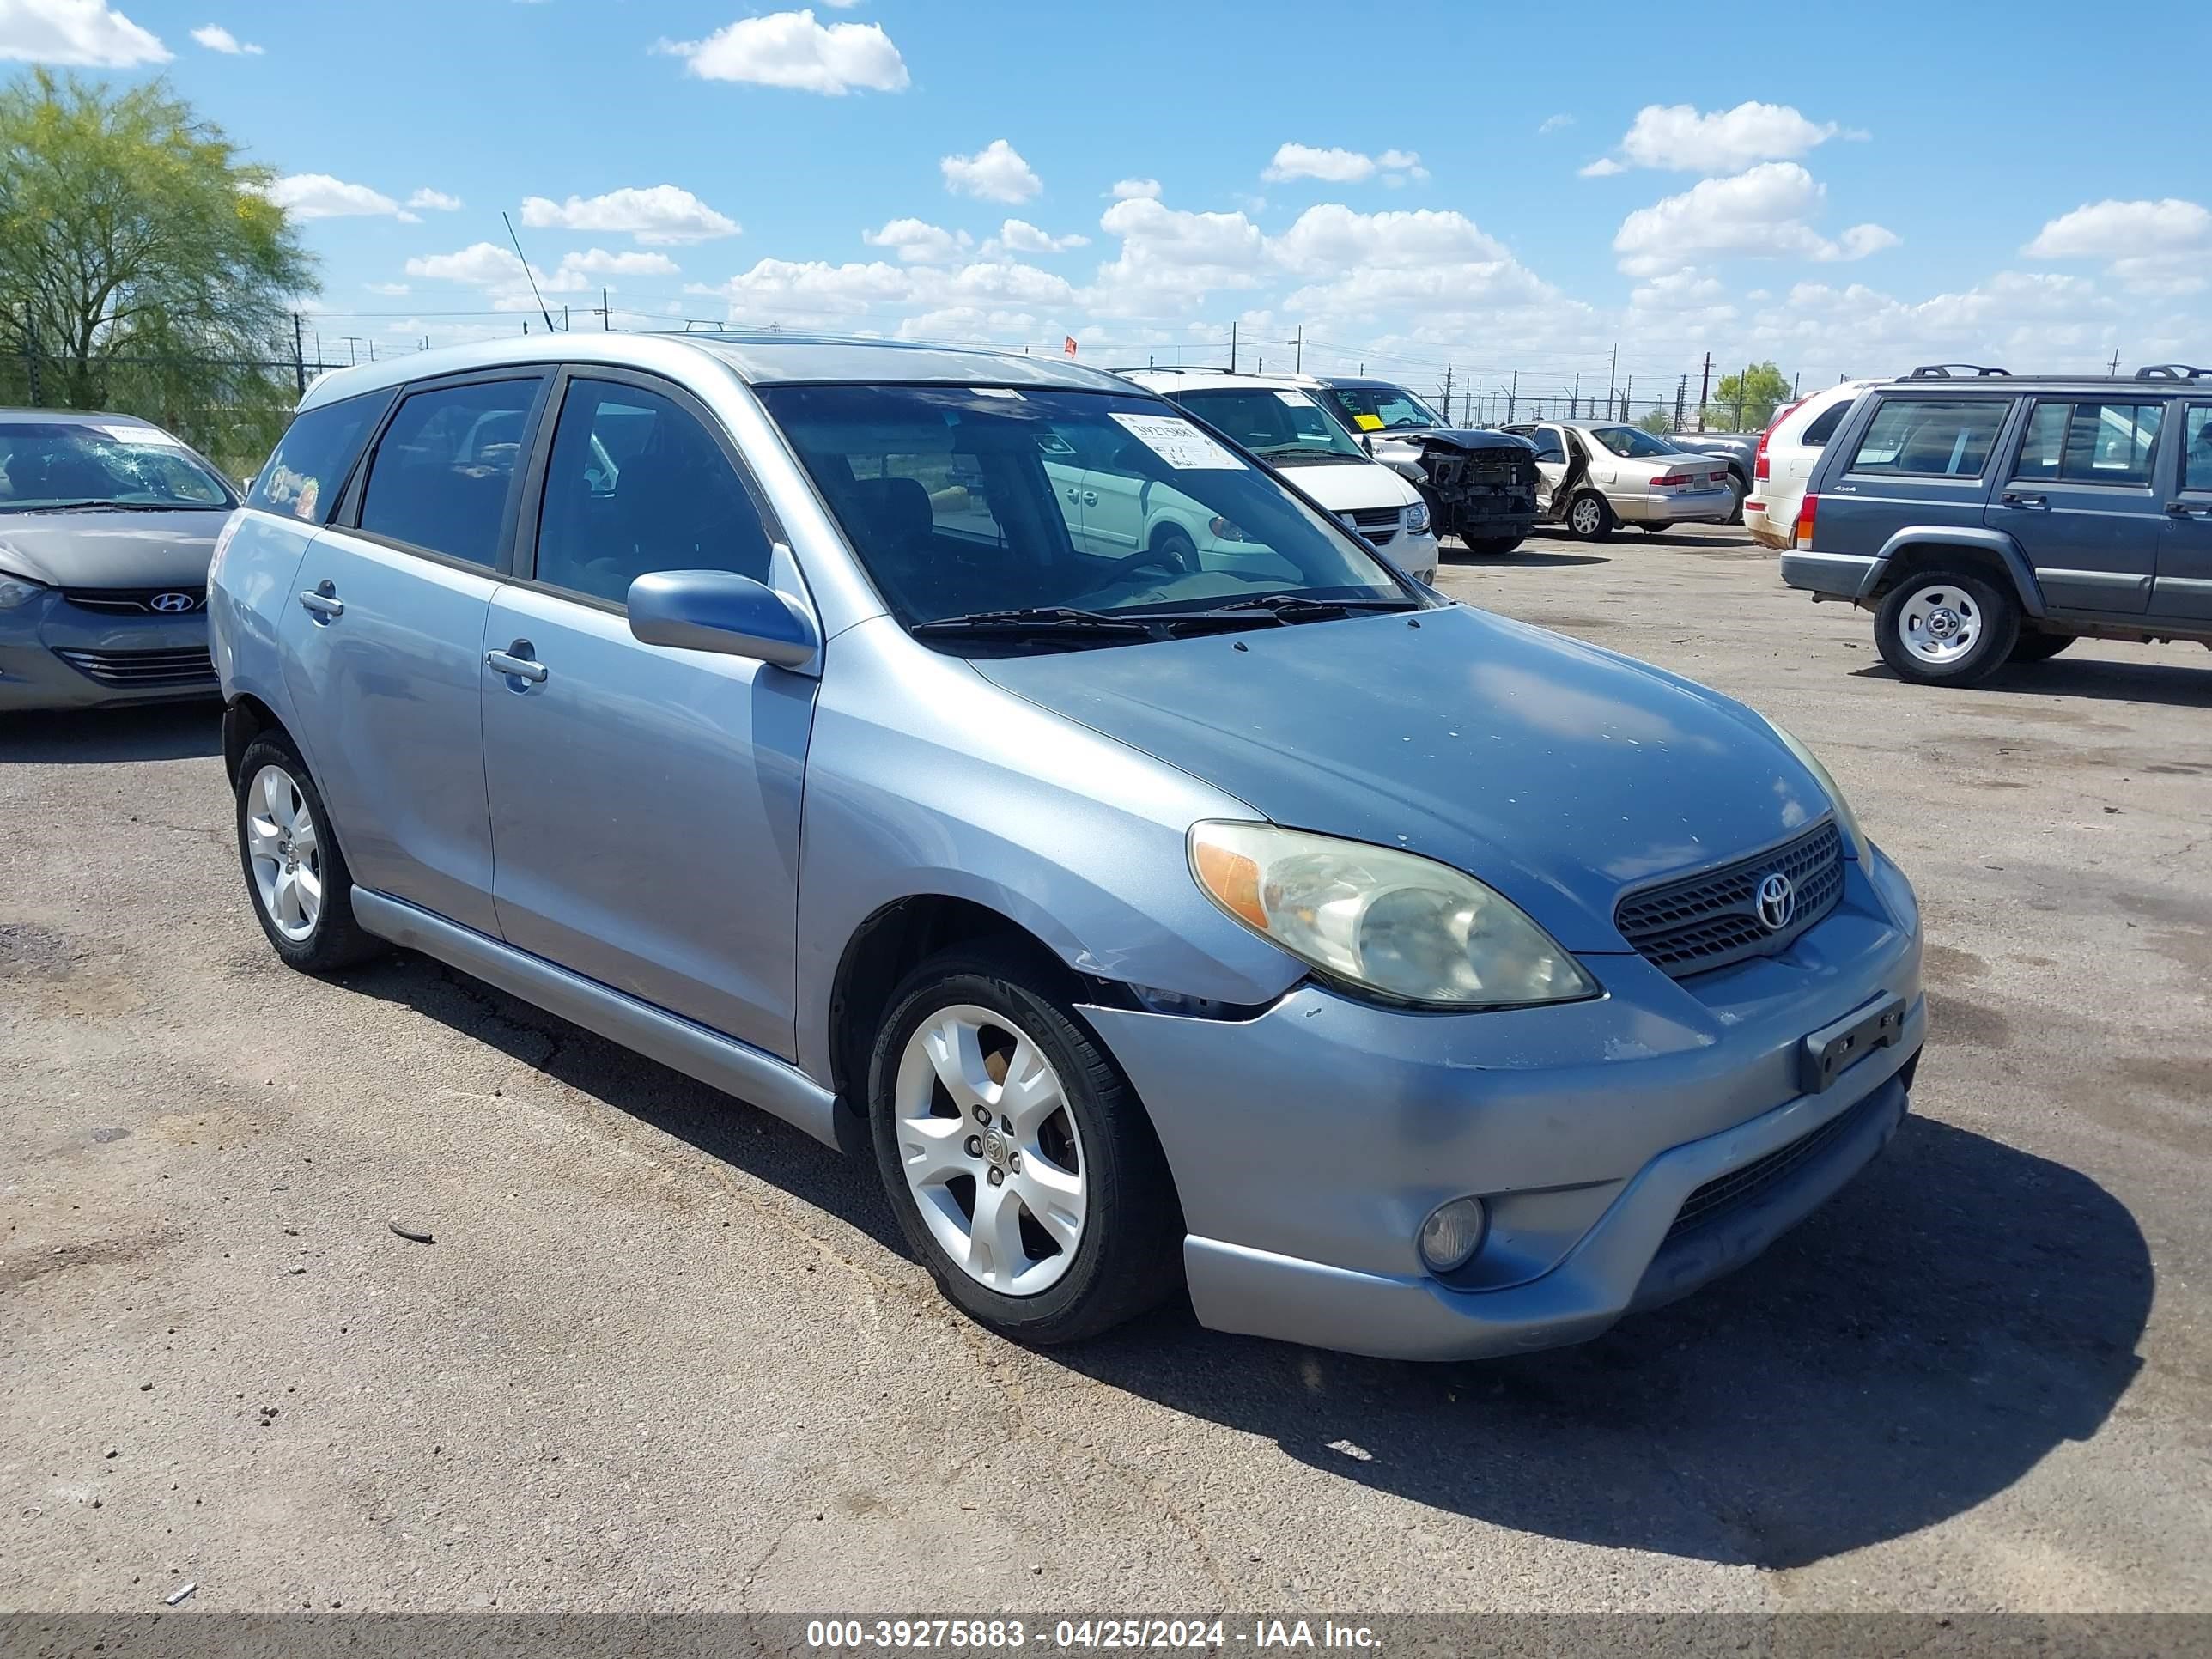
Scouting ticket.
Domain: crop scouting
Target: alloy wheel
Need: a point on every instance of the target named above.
(990, 1149)
(285, 853)
(1940, 623)
(1584, 516)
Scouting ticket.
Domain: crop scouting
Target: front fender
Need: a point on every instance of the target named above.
(2015, 560)
(923, 779)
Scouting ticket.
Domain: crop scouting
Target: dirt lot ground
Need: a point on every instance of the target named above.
(665, 1352)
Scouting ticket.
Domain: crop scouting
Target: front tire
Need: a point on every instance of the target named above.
(295, 875)
(1021, 1166)
(1589, 517)
(1946, 628)
(1491, 545)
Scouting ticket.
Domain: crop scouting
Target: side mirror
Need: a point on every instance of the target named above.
(717, 610)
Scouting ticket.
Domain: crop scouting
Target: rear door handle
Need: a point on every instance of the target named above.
(517, 663)
(2012, 499)
(2188, 510)
(322, 602)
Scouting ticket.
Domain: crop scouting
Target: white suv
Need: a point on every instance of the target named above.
(1786, 456)
(1279, 418)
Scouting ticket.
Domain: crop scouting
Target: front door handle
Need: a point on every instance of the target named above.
(1090, 498)
(2012, 498)
(517, 662)
(2188, 510)
(322, 602)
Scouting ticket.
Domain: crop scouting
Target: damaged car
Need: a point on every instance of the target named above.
(1482, 486)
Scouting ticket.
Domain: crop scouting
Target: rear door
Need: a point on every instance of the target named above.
(385, 639)
(1919, 460)
(2080, 499)
(2183, 588)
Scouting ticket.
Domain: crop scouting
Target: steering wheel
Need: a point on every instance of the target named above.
(1170, 555)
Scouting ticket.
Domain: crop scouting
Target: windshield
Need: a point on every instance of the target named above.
(1382, 408)
(963, 500)
(1632, 440)
(1286, 426)
(51, 465)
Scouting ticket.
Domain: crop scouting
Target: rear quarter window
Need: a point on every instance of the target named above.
(1823, 427)
(301, 479)
(1931, 437)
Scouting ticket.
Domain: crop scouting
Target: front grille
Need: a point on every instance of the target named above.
(1709, 920)
(1373, 518)
(136, 601)
(142, 669)
(1724, 1195)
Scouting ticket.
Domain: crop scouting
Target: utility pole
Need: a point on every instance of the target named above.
(1796, 381)
(1704, 390)
(1232, 348)
(564, 318)
(1513, 398)
(1447, 390)
(1298, 344)
(1612, 370)
(1681, 398)
(1575, 400)
(1627, 393)
(606, 313)
(2116, 360)
(299, 355)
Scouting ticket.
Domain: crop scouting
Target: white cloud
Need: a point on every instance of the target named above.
(661, 215)
(434, 201)
(918, 242)
(790, 49)
(996, 173)
(1758, 214)
(81, 33)
(215, 38)
(1171, 260)
(480, 265)
(1130, 189)
(1676, 136)
(1551, 124)
(320, 196)
(2161, 247)
(1020, 236)
(1374, 265)
(1604, 167)
(1343, 166)
(777, 291)
(496, 270)
(2028, 320)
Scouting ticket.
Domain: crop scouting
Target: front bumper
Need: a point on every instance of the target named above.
(1308, 1144)
(1689, 506)
(1416, 554)
(113, 658)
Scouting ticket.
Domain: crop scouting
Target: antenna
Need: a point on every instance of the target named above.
(527, 276)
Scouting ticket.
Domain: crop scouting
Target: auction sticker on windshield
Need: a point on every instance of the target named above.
(1179, 443)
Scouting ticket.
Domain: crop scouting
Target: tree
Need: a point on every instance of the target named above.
(138, 251)
(1656, 421)
(1746, 402)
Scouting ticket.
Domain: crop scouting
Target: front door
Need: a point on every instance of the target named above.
(2184, 589)
(2080, 501)
(644, 799)
(385, 642)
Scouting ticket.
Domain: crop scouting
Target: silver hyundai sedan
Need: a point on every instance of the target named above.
(1245, 916)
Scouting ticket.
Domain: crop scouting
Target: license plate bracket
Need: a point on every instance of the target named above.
(1826, 1054)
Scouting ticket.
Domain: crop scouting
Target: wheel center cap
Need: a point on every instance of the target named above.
(994, 1147)
(1943, 623)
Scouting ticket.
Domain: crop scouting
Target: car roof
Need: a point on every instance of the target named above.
(1364, 382)
(2158, 380)
(69, 417)
(757, 359)
(1207, 380)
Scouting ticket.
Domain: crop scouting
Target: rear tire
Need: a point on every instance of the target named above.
(1081, 1229)
(1739, 492)
(1589, 517)
(2040, 647)
(1489, 545)
(1946, 628)
(296, 874)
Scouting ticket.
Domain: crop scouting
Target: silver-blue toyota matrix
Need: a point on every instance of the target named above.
(981, 761)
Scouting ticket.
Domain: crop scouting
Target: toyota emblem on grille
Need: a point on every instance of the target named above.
(171, 603)
(1778, 902)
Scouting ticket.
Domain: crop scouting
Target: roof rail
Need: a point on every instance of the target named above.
(1943, 371)
(1174, 368)
(2172, 372)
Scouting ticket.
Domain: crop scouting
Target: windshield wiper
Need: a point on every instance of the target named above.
(1283, 608)
(1033, 618)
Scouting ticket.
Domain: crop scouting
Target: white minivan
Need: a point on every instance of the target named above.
(1793, 443)
(1278, 420)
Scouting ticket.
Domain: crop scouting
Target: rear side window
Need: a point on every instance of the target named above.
(301, 479)
(1931, 437)
(441, 474)
(2089, 443)
(1824, 428)
(2196, 459)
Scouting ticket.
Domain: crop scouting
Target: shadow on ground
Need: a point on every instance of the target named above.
(1523, 557)
(2181, 683)
(1949, 1319)
(177, 731)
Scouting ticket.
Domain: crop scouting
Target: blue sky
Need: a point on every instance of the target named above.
(1499, 188)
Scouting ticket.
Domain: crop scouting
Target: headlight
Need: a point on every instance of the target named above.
(15, 592)
(1855, 840)
(1417, 518)
(1392, 922)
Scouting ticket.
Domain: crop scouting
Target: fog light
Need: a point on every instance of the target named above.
(1452, 1234)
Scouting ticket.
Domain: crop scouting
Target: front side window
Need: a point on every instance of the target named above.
(2196, 459)
(442, 470)
(1381, 408)
(2089, 443)
(1631, 442)
(46, 465)
(302, 479)
(955, 500)
(1286, 426)
(636, 484)
(1548, 446)
(1931, 437)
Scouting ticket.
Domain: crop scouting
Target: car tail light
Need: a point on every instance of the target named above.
(1671, 478)
(1758, 459)
(1806, 514)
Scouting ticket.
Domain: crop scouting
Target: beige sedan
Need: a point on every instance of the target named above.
(1599, 475)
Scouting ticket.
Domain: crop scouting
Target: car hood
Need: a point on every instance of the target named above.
(1341, 486)
(1470, 441)
(96, 548)
(1555, 771)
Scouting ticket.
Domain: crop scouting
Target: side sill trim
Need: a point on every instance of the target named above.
(719, 1061)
